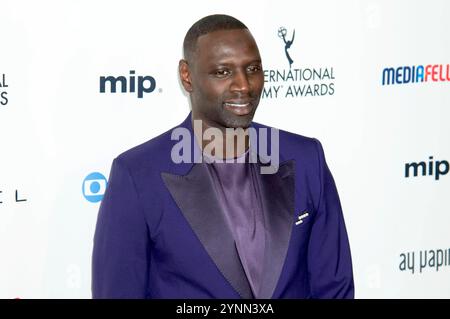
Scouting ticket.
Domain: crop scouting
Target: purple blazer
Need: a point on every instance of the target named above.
(161, 233)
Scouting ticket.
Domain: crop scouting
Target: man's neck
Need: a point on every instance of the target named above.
(221, 143)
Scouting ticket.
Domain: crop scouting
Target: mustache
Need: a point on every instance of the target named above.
(245, 98)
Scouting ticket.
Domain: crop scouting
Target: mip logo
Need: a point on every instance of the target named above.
(141, 84)
(94, 186)
(282, 32)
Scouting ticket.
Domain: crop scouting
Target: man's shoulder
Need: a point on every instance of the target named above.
(306, 152)
(293, 143)
(150, 154)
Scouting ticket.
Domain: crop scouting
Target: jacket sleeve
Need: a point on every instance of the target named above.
(120, 258)
(329, 257)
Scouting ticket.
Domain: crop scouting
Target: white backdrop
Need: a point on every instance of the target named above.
(56, 127)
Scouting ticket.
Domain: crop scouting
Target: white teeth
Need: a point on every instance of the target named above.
(237, 105)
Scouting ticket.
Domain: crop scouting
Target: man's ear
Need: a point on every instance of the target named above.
(185, 75)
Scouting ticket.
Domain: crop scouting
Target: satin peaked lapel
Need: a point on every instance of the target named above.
(278, 201)
(195, 196)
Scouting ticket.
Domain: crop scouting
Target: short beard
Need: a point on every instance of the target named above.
(235, 121)
(241, 122)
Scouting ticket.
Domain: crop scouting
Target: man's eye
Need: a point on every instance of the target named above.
(221, 73)
(254, 68)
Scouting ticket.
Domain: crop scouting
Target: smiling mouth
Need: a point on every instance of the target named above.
(239, 109)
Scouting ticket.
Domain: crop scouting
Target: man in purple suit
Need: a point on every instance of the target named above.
(194, 214)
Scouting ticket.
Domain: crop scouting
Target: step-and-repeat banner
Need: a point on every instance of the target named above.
(369, 79)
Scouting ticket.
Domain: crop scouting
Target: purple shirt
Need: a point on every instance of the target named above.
(238, 196)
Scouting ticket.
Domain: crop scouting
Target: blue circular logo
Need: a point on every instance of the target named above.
(94, 186)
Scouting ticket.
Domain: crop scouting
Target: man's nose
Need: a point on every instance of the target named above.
(240, 82)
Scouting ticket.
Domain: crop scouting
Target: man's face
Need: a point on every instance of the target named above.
(225, 78)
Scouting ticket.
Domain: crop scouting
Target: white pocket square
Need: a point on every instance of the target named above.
(301, 217)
